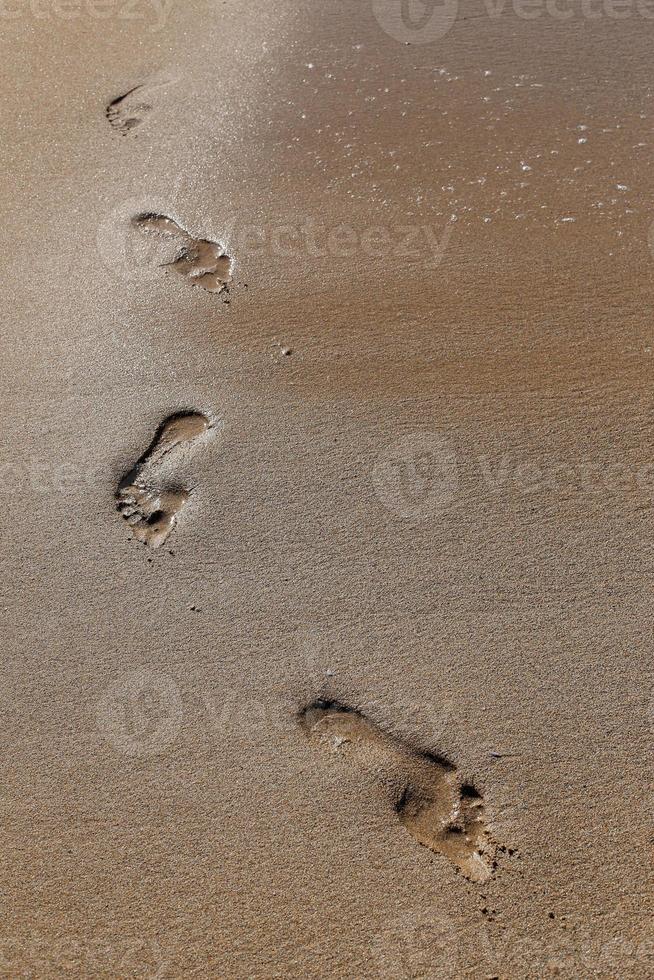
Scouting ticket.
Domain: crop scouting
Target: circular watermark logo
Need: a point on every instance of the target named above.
(416, 21)
(433, 719)
(126, 252)
(421, 944)
(417, 476)
(144, 959)
(140, 713)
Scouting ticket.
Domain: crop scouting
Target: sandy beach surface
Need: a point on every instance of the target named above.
(327, 482)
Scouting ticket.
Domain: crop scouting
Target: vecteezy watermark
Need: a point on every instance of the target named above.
(416, 21)
(140, 713)
(417, 944)
(434, 719)
(566, 955)
(39, 955)
(309, 238)
(250, 710)
(426, 943)
(36, 476)
(416, 476)
(321, 656)
(129, 255)
(545, 474)
(426, 21)
(125, 253)
(247, 712)
(154, 13)
(142, 958)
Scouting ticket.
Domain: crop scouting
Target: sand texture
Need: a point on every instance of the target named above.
(327, 483)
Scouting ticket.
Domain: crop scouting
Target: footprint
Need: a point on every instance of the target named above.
(429, 798)
(199, 261)
(145, 497)
(129, 110)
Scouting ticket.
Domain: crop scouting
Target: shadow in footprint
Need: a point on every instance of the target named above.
(197, 260)
(430, 800)
(146, 497)
(129, 110)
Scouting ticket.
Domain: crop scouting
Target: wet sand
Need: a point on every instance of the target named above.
(424, 493)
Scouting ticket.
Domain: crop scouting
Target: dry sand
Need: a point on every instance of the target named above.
(409, 475)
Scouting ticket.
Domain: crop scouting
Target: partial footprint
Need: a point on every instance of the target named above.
(429, 798)
(198, 260)
(145, 497)
(129, 110)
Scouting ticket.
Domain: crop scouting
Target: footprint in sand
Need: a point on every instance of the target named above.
(129, 110)
(146, 497)
(198, 260)
(429, 798)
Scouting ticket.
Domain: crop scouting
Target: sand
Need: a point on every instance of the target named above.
(346, 670)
